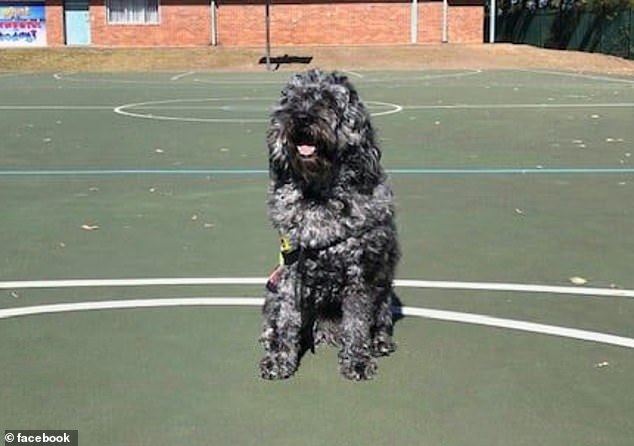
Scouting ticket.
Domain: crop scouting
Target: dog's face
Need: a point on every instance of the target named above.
(318, 122)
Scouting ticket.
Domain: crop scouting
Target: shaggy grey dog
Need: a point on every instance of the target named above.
(331, 204)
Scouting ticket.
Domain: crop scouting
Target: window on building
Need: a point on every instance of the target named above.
(132, 11)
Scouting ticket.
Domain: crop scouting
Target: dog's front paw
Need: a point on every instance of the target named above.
(358, 369)
(277, 367)
(383, 346)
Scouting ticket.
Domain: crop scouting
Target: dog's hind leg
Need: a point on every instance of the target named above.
(355, 356)
(281, 337)
(382, 344)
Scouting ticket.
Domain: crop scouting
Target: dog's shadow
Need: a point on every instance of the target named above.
(308, 341)
(397, 309)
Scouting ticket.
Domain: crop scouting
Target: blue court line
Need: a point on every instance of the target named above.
(513, 171)
(110, 172)
(245, 172)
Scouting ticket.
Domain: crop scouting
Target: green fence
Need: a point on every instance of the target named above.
(609, 32)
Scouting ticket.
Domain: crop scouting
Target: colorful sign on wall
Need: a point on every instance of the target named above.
(22, 24)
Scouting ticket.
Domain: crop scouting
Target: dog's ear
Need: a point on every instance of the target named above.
(340, 94)
(279, 165)
(362, 152)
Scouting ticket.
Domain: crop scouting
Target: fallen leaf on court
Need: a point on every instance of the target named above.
(89, 227)
(578, 280)
(600, 365)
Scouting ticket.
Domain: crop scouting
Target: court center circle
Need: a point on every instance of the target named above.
(246, 109)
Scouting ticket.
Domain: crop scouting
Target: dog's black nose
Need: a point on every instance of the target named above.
(302, 117)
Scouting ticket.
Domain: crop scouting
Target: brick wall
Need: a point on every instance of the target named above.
(347, 23)
(466, 24)
(316, 23)
(232, 28)
(293, 22)
(54, 23)
(181, 24)
(430, 22)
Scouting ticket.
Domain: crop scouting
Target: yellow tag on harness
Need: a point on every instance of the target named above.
(285, 244)
(285, 247)
(288, 254)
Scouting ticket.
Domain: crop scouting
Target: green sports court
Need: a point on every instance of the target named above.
(135, 245)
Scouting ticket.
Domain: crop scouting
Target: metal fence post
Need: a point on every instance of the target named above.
(414, 22)
(630, 51)
(492, 17)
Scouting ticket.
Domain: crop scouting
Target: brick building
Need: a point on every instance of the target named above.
(238, 22)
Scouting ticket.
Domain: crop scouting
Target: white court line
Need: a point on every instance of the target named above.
(55, 107)
(362, 78)
(83, 283)
(629, 105)
(61, 76)
(515, 287)
(182, 75)
(395, 108)
(126, 109)
(353, 73)
(423, 77)
(66, 77)
(402, 283)
(581, 75)
(451, 316)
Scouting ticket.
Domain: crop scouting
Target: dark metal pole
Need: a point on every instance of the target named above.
(267, 14)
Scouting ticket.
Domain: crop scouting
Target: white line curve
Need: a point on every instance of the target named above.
(403, 283)
(449, 316)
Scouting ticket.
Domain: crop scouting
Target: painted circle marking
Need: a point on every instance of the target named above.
(450, 316)
(230, 105)
(467, 318)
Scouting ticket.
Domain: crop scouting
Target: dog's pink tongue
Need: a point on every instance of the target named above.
(306, 150)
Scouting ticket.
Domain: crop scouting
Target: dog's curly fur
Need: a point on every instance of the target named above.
(330, 198)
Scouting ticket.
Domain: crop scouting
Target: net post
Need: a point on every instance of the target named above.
(267, 21)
